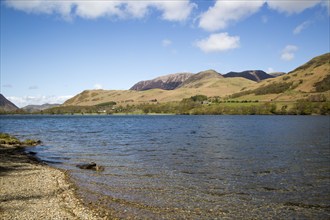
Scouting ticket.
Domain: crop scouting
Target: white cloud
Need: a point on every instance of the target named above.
(288, 52)
(224, 12)
(301, 27)
(171, 10)
(218, 43)
(166, 42)
(42, 7)
(270, 70)
(38, 100)
(174, 10)
(292, 6)
(96, 9)
(98, 86)
(137, 9)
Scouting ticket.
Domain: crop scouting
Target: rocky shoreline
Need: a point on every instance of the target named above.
(29, 189)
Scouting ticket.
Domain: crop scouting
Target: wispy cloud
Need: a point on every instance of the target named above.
(218, 43)
(166, 42)
(301, 27)
(293, 6)
(98, 86)
(123, 9)
(270, 70)
(215, 18)
(226, 12)
(37, 100)
(288, 52)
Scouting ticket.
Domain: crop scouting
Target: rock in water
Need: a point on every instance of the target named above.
(87, 166)
(99, 168)
(90, 166)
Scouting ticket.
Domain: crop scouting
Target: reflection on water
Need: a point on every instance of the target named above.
(191, 166)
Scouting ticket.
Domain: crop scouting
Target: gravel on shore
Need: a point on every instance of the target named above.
(32, 190)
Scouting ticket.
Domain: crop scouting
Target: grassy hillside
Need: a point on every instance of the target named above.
(308, 81)
(214, 85)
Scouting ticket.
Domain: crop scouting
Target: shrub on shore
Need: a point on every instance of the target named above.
(7, 139)
(11, 140)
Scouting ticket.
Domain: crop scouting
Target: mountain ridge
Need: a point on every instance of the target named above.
(196, 78)
(6, 105)
(307, 80)
(178, 80)
(167, 82)
(36, 108)
(254, 75)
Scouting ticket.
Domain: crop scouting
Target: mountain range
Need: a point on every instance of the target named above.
(305, 81)
(254, 75)
(168, 82)
(309, 81)
(36, 108)
(8, 106)
(174, 81)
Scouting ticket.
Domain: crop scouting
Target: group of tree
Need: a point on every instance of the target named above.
(202, 105)
(199, 105)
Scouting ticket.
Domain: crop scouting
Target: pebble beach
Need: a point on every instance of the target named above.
(32, 190)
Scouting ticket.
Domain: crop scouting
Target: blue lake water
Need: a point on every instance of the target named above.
(191, 167)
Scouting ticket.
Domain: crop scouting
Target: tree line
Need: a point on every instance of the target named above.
(201, 105)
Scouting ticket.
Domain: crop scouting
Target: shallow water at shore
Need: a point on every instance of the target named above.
(191, 166)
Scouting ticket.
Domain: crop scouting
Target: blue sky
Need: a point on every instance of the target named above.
(52, 50)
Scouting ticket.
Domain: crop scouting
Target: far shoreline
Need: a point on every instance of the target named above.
(160, 114)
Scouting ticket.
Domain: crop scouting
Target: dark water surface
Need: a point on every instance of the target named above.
(193, 167)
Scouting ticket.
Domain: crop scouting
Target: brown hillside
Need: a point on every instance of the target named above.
(310, 79)
(305, 82)
(208, 86)
(196, 80)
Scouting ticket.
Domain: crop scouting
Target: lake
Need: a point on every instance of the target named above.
(191, 167)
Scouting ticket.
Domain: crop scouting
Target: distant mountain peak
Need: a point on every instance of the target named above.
(254, 75)
(6, 105)
(36, 108)
(167, 82)
(198, 77)
(209, 72)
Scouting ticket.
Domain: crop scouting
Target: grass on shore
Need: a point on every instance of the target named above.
(11, 140)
